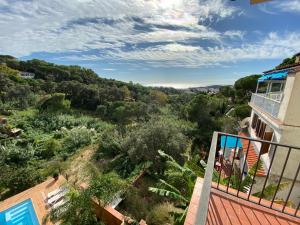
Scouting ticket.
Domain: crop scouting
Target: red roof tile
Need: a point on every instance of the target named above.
(252, 157)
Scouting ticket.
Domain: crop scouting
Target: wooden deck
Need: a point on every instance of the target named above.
(225, 209)
(36, 194)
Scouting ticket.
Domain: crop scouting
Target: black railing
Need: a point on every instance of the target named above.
(261, 182)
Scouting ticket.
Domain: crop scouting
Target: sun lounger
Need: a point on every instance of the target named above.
(56, 197)
(55, 192)
(116, 200)
(58, 204)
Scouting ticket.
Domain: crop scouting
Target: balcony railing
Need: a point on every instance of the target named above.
(270, 103)
(265, 191)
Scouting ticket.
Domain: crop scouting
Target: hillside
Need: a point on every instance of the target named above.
(67, 120)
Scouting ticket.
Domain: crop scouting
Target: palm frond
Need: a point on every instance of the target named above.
(167, 193)
(171, 187)
(270, 190)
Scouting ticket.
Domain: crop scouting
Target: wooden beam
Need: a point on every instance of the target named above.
(258, 1)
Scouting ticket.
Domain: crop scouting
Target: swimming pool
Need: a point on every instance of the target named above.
(20, 214)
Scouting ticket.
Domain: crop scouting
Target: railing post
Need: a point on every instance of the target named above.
(202, 211)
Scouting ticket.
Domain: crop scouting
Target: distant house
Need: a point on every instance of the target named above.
(3, 121)
(27, 75)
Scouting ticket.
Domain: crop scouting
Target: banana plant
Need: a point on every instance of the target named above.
(176, 173)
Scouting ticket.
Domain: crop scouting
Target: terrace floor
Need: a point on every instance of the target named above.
(227, 209)
(36, 194)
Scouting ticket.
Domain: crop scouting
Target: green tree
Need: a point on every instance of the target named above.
(8, 71)
(54, 103)
(158, 97)
(51, 147)
(242, 111)
(18, 179)
(244, 87)
(227, 91)
(79, 207)
(105, 187)
(287, 61)
(77, 210)
(142, 145)
(126, 95)
(203, 110)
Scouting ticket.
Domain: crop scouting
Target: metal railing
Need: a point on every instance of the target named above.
(268, 103)
(274, 175)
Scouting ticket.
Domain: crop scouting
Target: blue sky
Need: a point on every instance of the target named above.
(179, 43)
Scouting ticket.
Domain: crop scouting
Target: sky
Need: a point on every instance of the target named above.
(177, 43)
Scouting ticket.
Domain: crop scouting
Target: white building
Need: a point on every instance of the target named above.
(276, 117)
(27, 75)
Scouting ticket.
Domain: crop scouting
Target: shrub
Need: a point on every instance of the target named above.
(134, 205)
(51, 147)
(157, 134)
(242, 111)
(160, 214)
(110, 144)
(13, 153)
(55, 174)
(77, 137)
(19, 179)
(101, 110)
(54, 103)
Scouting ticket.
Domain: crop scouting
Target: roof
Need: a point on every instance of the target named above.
(279, 75)
(278, 68)
(3, 120)
(258, 1)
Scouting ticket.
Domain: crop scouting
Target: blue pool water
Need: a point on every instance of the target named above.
(20, 214)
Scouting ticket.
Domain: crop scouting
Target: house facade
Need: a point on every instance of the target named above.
(27, 75)
(275, 117)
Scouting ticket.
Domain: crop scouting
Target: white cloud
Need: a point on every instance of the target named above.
(176, 55)
(179, 48)
(165, 28)
(176, 85)
(67, 25)
(234, 34)
(288, 5)
(109, 69)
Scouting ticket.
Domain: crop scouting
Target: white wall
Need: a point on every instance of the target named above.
(290, 136)
(289, 112)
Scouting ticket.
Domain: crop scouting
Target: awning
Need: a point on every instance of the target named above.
(231, 142)
(274, 76)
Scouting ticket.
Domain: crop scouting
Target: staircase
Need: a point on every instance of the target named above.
(252, 157)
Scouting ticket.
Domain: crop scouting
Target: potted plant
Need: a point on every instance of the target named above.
(55, 175)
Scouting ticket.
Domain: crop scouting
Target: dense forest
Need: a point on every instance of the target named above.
(67, 120)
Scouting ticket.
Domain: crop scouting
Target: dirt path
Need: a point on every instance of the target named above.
(80, 166)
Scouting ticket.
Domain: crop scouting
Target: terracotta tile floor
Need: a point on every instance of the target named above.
(228, 210)
(225, 209)
(35, 193)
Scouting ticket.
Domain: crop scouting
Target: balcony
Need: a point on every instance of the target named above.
(269, 103)
(233, 193)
